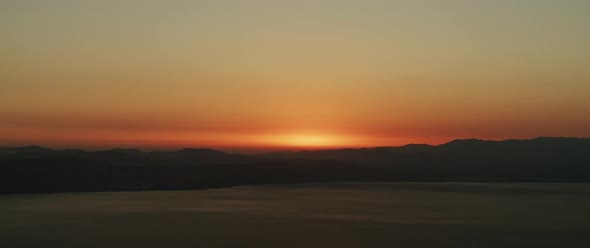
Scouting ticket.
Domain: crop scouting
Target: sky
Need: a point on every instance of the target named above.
(272, 74)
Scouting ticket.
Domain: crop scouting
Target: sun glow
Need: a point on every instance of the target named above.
(310, 140)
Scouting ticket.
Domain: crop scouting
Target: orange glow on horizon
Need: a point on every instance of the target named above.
(309, 140)
(265, 75)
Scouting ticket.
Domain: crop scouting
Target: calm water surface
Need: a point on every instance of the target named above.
(306, 215)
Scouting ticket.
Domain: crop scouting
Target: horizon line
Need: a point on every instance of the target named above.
(221, 149)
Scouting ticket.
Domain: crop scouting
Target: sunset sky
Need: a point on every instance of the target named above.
(305, 74)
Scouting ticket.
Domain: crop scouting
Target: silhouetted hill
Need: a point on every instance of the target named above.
(35, 169)
(461, 149)
(25, 150)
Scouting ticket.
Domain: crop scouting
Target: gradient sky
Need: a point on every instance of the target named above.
(272, 74)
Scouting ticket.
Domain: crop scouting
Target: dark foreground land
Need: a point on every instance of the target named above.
(306, 215)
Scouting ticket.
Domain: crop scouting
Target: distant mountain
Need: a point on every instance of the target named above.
(25, 150)
(192, 156)
(35, 169)
(359, 155)
(458, 150)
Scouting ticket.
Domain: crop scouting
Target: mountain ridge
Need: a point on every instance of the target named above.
(470, 141)
(39, 170)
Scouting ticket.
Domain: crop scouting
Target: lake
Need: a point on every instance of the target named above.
(306, 215)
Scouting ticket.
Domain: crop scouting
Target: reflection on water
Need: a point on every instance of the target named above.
(307, 215)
